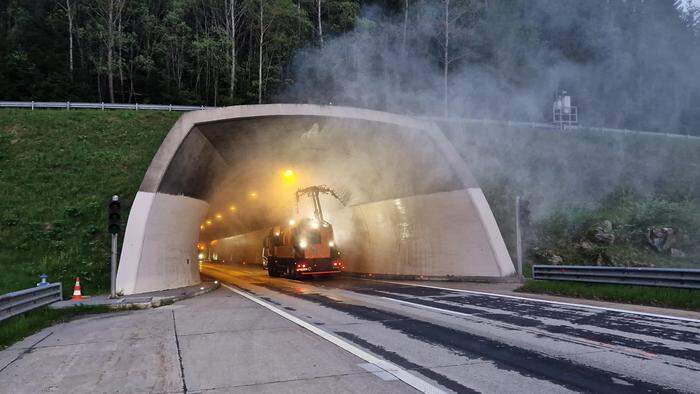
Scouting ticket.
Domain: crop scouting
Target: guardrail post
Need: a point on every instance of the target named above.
(103, 105)
(137, 106)
(68, 105)
(32, 105)
(170, 108)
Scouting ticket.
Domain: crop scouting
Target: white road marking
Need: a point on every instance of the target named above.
(545, 301)
(412, 380)
(582, 341)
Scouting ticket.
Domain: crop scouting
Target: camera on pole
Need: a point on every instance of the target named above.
(115, 208)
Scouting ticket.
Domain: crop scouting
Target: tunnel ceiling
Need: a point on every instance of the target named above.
(225, 162)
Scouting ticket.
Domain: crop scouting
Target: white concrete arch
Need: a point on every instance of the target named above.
(446, 228)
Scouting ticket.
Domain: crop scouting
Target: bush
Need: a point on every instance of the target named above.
(568, 232)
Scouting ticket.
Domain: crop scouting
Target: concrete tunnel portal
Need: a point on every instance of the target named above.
(410, 207)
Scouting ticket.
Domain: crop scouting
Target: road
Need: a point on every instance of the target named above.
(466, 342)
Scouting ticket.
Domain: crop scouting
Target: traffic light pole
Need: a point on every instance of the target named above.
(113, 276)
(114, 227)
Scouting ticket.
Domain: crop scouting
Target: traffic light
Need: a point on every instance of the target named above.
(115, 218)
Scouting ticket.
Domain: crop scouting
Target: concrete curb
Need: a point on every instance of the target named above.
(142, 301)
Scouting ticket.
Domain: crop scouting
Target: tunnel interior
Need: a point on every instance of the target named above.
(408, 205)
(249, 169)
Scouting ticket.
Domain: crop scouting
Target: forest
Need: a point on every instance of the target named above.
(627, 63)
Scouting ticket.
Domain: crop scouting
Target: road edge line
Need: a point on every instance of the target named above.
(406, 377)
(546, 301)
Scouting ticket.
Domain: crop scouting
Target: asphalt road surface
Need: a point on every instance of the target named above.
(467, 342)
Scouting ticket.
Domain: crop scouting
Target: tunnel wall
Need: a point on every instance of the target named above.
(453, 234)
(439, 234)
(159, 248)
(403, 237)
(169, 258)
(242, 248)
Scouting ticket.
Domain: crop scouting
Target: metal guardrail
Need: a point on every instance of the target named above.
(181, 108)
(102, 106)
(585, 129)
(17, 302)
(663, 277)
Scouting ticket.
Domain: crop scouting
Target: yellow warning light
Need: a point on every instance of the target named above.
(209, 222)
(201, 227)
(232, 208)
(253, 194)
(218, 216)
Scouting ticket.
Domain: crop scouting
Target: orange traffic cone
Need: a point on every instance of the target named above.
(77, 295)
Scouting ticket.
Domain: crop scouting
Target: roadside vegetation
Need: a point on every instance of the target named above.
(688, 299)
(19, 327)
(58, 171)
(589, 197)
(625, 229)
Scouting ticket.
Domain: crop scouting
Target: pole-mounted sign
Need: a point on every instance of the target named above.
(115, 225)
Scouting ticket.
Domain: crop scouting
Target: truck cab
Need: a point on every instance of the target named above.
(305, 247)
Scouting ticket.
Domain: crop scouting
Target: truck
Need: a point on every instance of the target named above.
(303, 247)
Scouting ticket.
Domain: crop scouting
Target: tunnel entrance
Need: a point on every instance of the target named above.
(224, 177)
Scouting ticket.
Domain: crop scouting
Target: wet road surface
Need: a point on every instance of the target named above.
(466, 342)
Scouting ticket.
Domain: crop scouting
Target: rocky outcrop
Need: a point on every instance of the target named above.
(602, 233)
(547, 256)
(662, 239)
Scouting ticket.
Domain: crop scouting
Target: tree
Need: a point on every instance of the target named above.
(107, 16)
(405, 26)
(454, 12)
(176, 44)
(275, 20)
(320, 27)
(232, 20)
(70, 9)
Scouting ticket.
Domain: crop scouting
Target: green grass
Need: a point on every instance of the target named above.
(688, 299)
(19, 327)
(58, 170)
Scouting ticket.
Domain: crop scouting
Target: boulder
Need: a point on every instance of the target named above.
(662, 238)
(602, 233)
(548, 256)
(585, 245)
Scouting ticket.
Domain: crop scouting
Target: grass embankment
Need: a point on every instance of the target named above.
(58, 170)
(19, 327)
(688, 299)
(574, 179)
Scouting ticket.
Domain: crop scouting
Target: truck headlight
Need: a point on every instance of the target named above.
(331, 244)
(303, 244)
